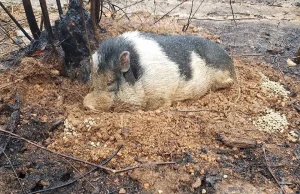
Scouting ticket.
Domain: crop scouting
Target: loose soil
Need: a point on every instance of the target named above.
(187, 133)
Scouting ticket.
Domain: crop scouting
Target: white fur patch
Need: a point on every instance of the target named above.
(200, 82)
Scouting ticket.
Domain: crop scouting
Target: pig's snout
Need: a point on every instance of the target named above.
(97, 102)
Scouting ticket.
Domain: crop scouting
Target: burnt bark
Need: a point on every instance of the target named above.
(31, 19)
(70, 32)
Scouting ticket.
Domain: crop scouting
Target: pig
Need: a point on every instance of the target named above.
(149, 71)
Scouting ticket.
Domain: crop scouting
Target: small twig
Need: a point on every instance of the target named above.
(186, 26)
(246, 55)
(215, 19)
(238, 142)
(14, 170)
(154, 11)
(8, 35)
(56, 124)
(133, 4)
(143, 165)
(232, 13)
(170, 11)
(268, 166)
(190, 18)
(114, 5)
(101, 11)
(81, 176)
(15, 21)
(199, 110)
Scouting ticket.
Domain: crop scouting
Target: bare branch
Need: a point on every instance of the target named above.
(185, 27)
(170, 11)
(119, 8)
(232, 13)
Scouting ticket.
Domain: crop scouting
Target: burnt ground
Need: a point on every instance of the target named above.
(187, 133)
(271, 42)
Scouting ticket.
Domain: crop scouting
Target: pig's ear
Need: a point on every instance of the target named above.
(124, 61)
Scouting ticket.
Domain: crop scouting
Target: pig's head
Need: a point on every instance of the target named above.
(110, 62)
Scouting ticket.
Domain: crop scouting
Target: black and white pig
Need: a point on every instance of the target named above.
(149, 70)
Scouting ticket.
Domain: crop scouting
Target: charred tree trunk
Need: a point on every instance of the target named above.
(94, 15)
(31, 19)
(47, 21)
(70, 31)
(59, 8)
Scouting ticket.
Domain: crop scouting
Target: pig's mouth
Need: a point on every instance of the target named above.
(95, 101)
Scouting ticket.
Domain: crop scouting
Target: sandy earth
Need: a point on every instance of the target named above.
(187, 132)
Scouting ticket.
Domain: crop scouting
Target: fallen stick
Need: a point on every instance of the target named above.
(198, 110)
(237, 142)
(55, 124)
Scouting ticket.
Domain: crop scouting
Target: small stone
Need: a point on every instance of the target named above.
(203, 191)
(158, 111)
(122, 190)
(24, 122)
(225, 176)
(202, 172)
(44, 119)
(44, 183)
(197, 183)
(160, 191)
(111, 138)
(54, 72)
(146, 186)
(290, 63)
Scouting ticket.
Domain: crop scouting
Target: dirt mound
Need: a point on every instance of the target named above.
(186, 132)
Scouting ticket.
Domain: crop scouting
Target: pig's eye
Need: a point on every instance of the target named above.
(110, 83)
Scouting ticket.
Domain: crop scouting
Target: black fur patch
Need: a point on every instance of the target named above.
(178, 48)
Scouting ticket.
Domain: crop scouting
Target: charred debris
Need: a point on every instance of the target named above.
(67, 44)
